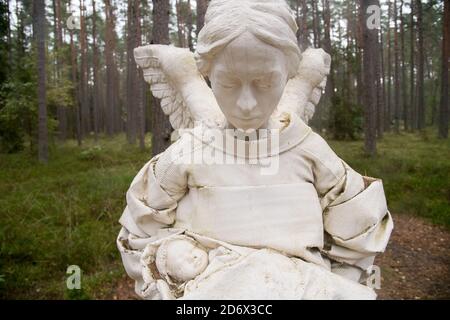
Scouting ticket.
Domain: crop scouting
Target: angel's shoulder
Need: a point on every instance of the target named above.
(319, 152)
(184, 146)
(180, 153)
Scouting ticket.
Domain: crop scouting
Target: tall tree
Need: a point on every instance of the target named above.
(329, 89)
(111, 71)
(131, 73)
(76, 92)
(201, 11)
(61, 113)
(359, 57)
(403, 67)
(412, 91)
(350, 51)
(302, 21)
(379, 115)
(444, 108)
(189, 25)
(180, 24)
(39, 32)
(316, 23)
(84, 95)
(420, 67)
(388, 114)
(396, 72)
(95, 73)
(161, 127)
(382, 99)
(140, 82)
(8, 34)
(370, 92)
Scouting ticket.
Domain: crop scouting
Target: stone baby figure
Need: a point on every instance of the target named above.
(178, 259)
(312, 207)
(181, 259)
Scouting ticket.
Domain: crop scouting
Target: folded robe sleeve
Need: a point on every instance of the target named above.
(356, 219)
(151, 203)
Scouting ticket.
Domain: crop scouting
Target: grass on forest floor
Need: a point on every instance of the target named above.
(415, 169)
(66, 213)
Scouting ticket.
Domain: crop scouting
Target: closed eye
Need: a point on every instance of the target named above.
(263, 84)
(227, 85)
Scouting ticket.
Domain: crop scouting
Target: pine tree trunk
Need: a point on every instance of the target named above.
(403, 68)
(161, 127)
(302, 33)
(420, 69)
(189, 26)
(316, 23)
(180, 24)
(73, 53)
(329, 89)
(388, 114)
(382, 117)
(396, 73)
(444, 108)
(60, 109)
(131, 86)
(370, 92)
(8, 34)
(412, 101)
(140, 82)
(201, 11)
(379, 89)
(39, 38)
(96, 62)
(111, 100)
(84, 115)
(359, 56)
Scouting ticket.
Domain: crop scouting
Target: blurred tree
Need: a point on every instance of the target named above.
(420, 68)
(39, 38)
(201, 11)
(370, 70)
(444, 108)
(161, 126)
(412, 101)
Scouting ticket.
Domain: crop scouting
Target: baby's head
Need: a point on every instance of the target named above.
(181, 258)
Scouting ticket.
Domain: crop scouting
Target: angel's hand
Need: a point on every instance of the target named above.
(315, 66)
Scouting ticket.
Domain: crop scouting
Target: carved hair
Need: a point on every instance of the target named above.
(271, 21)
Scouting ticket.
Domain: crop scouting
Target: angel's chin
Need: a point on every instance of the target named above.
(247, 124)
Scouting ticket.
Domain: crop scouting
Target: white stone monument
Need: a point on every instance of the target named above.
(249, 202)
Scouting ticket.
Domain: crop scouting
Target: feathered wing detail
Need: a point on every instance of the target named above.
(303, 92)
(172, 103)
(174, 78)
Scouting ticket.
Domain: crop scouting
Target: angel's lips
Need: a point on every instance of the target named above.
(249, 120)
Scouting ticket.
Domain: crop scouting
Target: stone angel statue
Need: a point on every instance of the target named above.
(205, 219)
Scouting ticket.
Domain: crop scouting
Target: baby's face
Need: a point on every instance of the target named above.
(248, 78)
(185, 260)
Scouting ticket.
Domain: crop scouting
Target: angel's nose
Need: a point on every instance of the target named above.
(246, 102)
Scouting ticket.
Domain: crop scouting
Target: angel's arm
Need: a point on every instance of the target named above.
(152, 200)
(355, 214)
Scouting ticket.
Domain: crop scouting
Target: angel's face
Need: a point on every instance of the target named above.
(248, 78)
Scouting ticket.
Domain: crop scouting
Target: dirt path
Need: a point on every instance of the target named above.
(416, 264)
